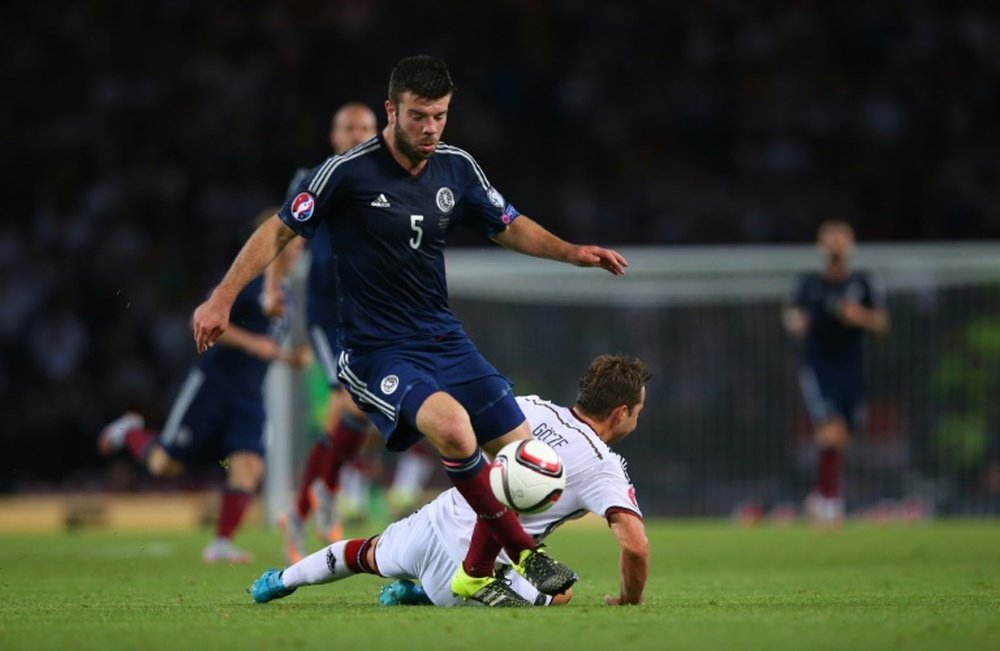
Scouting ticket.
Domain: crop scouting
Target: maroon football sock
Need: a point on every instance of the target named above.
(234, 505)
(137, 442)
(828, 472)
(355, 552)
(344, 446)
(483, 551)
(471, 476)
(314, 468)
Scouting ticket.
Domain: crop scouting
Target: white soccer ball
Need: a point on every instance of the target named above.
(528, 476)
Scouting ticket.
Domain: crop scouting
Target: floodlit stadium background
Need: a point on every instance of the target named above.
(140, 140)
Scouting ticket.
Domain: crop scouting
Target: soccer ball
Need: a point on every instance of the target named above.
(528, 476)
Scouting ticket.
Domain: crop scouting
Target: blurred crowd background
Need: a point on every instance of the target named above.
(140, 139)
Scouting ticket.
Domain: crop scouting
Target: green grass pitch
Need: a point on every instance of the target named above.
(713, 585)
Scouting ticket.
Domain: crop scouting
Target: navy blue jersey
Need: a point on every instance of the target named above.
(233, 369)
(828, 341)
(387, 232)
(321, 283)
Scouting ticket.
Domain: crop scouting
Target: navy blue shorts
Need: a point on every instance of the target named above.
(323, 344)
(207, 423)
(831, 393)
(380, 383)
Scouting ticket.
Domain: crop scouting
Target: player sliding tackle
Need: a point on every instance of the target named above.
(387, 206)
(427, 544)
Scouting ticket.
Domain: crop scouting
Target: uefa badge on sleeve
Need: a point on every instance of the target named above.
(302, 206)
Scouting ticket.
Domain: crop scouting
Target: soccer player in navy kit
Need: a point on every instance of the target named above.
(218, 414)
(829, 312)
(387, 206)
(346, 425)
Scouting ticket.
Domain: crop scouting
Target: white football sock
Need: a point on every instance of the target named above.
(324, 566)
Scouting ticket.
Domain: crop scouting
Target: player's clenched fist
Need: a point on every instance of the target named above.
(210, 320)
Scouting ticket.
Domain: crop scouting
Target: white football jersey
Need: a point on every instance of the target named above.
(596, 479)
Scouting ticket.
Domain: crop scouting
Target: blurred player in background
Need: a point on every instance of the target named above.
(388, 205)
(219, 412)
(345, 424)
(427, 544)
(829, 313)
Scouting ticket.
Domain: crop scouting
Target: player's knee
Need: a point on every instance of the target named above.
(452, 437)
(446, 425)
(245, 471)
(161, 464)
(833, 433)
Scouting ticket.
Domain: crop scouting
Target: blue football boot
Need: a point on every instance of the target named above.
(403, 593)
(268, 587)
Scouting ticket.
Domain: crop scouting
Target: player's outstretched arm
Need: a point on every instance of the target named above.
(259, 346)
(211, 318)
(265, 348)
(873, 319)
(634, 558)
(526, 236)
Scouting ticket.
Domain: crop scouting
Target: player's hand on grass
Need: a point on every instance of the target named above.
(596, 256)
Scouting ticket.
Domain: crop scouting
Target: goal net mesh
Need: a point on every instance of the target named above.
(724, 423)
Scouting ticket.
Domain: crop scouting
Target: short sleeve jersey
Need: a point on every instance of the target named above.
(597, 478)
(233, 369)
(828, 341)
(387, 231)
(321, 284)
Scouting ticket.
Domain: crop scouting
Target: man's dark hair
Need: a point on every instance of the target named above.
(425, 76)
(611, 380)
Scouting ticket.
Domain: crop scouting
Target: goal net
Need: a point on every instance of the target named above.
(724, 423)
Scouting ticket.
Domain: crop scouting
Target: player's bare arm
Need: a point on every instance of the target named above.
(260, 346)
(272, 298)
(796, 321)
(211, 318)
(524, 235)
(875, 320)
(630, 532)
(264, 347)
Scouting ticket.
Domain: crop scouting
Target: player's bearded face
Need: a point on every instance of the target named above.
(419, 124)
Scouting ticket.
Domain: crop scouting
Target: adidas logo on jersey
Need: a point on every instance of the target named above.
(381, 202)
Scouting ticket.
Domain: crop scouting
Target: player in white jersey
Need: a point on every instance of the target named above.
(427, 544)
